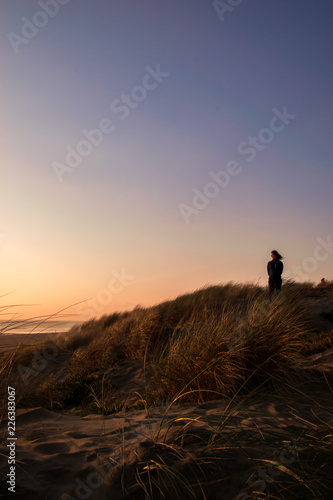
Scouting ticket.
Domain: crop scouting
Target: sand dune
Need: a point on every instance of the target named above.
(274, 442)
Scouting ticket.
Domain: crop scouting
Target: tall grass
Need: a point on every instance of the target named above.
(218, 340)
(247, 342)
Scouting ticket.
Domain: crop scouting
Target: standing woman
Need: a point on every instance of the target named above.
(275, 269)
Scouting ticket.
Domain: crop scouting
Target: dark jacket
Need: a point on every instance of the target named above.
(274, 269)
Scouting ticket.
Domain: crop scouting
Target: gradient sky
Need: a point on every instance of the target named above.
(118, 213)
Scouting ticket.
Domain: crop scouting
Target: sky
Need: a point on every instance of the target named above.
(152, 148)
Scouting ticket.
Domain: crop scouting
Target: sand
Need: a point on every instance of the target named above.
(10, 342)
(65, 456)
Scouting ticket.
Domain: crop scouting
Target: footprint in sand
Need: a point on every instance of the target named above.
(52, 448)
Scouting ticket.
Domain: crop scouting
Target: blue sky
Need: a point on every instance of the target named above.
(61, 241)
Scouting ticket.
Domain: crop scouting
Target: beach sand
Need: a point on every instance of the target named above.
(10, 342)
(65, 456)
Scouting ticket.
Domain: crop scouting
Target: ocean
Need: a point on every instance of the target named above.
(35, 327)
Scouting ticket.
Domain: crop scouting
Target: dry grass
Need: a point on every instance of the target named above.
(218, 341)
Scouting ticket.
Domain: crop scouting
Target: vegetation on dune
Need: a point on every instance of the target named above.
(216, 342)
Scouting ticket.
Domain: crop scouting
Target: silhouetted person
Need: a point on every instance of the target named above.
(322, 283)
(274, 269)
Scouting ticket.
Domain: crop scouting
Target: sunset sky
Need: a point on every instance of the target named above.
(214, 147)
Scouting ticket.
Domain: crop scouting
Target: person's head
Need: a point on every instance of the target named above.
(275, 255)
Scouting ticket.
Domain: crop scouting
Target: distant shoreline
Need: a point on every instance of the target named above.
(36, 327)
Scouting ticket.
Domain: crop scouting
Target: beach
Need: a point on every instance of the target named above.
(14, 333)
(61, 455)
(12, 341)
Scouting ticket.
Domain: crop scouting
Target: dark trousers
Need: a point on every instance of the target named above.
(274, 285)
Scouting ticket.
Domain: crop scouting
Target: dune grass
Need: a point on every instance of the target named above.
(223, 340)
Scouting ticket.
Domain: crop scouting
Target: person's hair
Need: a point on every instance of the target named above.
(277, 255)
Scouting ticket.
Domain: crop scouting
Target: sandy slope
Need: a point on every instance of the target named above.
(90, 457)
